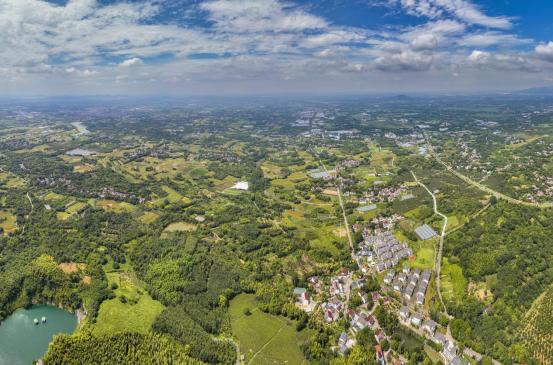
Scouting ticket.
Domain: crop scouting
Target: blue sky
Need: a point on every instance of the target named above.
(273, 46)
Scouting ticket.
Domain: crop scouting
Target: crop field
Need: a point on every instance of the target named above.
(537, 329)
(262, 337)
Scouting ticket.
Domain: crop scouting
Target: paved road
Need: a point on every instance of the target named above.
(438, 264)
(484, 188)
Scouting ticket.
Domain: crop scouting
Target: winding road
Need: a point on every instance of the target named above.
(482, 187)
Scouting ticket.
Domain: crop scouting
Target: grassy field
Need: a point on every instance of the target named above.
(148, 217)
(114, 206)
(7, 221)
(424, 253)
(136, 315)
(453, 281)
(263, 338)
(180, 227)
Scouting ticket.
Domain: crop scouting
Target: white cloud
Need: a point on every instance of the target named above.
(424, 42)
(135, 61)
(406, 60)
(545, 51)
(503, 62)
(333, 37)
(461, 9)
(488, 39)
(479, 56)
(259, 15)
(254, 42)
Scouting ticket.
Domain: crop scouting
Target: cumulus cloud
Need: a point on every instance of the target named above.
(135, 61)
(502, 62)
(545, 51)
(479, 56)
(406, 60)
(424, 42)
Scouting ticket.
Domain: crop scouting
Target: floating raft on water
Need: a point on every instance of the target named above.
(35, 320)
(43, 319)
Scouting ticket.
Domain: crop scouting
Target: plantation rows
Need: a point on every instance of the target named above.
(537, 332)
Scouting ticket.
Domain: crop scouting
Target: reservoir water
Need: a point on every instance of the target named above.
(22, 341)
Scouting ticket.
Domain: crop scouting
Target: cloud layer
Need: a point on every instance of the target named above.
(256, 45)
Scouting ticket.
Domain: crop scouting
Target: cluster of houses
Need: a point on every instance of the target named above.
(110, 192)
(145, 152)
(347, 164)
(14, 144)
(382, 251)
(334, 306)
(542, 187)
(337, 290)
(221, 156)
(51, 181)
(412, 284)
(428, 328)
(381, 224)
(384, 194)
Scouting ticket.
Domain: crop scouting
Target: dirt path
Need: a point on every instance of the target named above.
(31, 212)
(438, 263)
(475, 215)
(267, 343)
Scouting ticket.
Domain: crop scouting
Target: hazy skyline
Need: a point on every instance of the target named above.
(270, 46)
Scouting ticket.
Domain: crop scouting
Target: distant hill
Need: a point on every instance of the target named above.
(545, 91)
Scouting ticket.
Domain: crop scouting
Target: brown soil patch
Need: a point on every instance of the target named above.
(482, 294)
(340, 232)
(71, 267)
(330, 192)
(87, 279)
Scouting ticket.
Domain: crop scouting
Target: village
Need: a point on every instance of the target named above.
(381, 277)
(402, 291)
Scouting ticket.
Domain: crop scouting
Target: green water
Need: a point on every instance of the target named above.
(22, 341)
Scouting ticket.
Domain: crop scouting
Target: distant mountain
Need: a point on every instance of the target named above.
(400, 97)
(545, 91)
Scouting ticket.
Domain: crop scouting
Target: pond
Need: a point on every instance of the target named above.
(22, 341)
